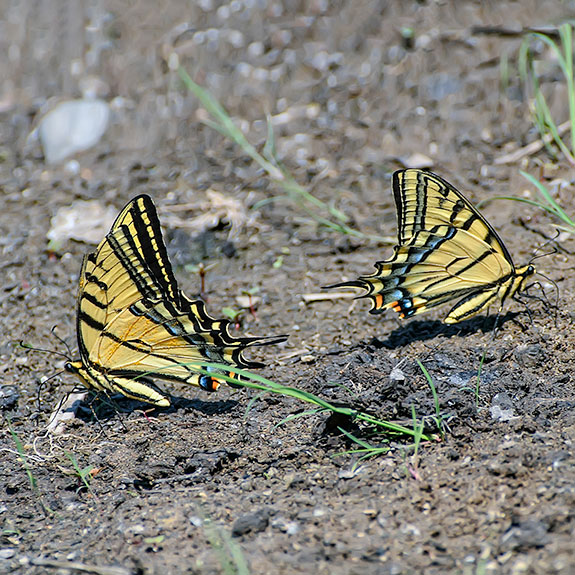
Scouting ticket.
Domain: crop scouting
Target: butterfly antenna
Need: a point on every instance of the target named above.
(537, 256)
(62, 341)
(52, 351)
(544, 297)
(517, 297)
(547, 239)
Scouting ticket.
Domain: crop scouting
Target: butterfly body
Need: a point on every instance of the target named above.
(446, 251)
(134, 323)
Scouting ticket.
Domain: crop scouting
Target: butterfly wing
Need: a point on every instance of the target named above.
(425, 202)
(133, 321)
(446, 251)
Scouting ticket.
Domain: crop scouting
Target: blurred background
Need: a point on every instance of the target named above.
(348, 85)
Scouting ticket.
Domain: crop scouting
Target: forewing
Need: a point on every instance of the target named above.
(136, 240)
(133, 321)
(426, 202)
(130, 263)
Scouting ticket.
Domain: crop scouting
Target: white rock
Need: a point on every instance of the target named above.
(417, 160)
(71, 127)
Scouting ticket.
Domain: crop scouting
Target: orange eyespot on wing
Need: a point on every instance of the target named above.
(134, 323)
(446, 252)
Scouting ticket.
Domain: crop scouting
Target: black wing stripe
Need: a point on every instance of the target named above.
(90, 321)
(94, 301)
(167, 334)
(153, 250)
(446, 251)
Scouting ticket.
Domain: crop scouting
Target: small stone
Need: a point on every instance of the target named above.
(196, 521)
(251, 523)
(347, 474)
(416, 160)
(396, 375)
(289, 527)
(255, 49)
(502, 408)
(292, 528)
(84, 221)
(8, 397)
(71, 127)
(247, 302)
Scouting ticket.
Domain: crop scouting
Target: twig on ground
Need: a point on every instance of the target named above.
(531, 148)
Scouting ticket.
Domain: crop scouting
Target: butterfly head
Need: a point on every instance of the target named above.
(73, 367)
(521, 276)
(525, 272)
(78, 369)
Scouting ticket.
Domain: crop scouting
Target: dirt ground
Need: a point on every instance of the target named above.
(355, 90)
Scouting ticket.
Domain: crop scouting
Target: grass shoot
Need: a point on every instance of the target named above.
(83, 474)
(24, 460)
(322, 213)
(531, 69)
(438, 417)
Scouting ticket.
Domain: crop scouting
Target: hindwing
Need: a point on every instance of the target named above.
(133, 321)
(446, 251)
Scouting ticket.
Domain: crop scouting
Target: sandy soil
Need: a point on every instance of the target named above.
(353, 97)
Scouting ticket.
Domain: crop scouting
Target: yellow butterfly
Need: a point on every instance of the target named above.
(133, 321)
(446, 251)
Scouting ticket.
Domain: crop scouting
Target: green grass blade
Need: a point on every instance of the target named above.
(554, 207)
(229, 553)
(255, 381)
(223, 123)
(82, 474)
(545, 207)
(562, 52)
(269, 151)
(431, 386)
(360, 442)
(549, 205)
(22, 454)
(418, 432)
(366, 450)
(24, 459)
(566, 34)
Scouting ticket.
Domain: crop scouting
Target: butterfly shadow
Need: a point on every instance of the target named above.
(423, 330)
(205, 407)
(99, 407)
